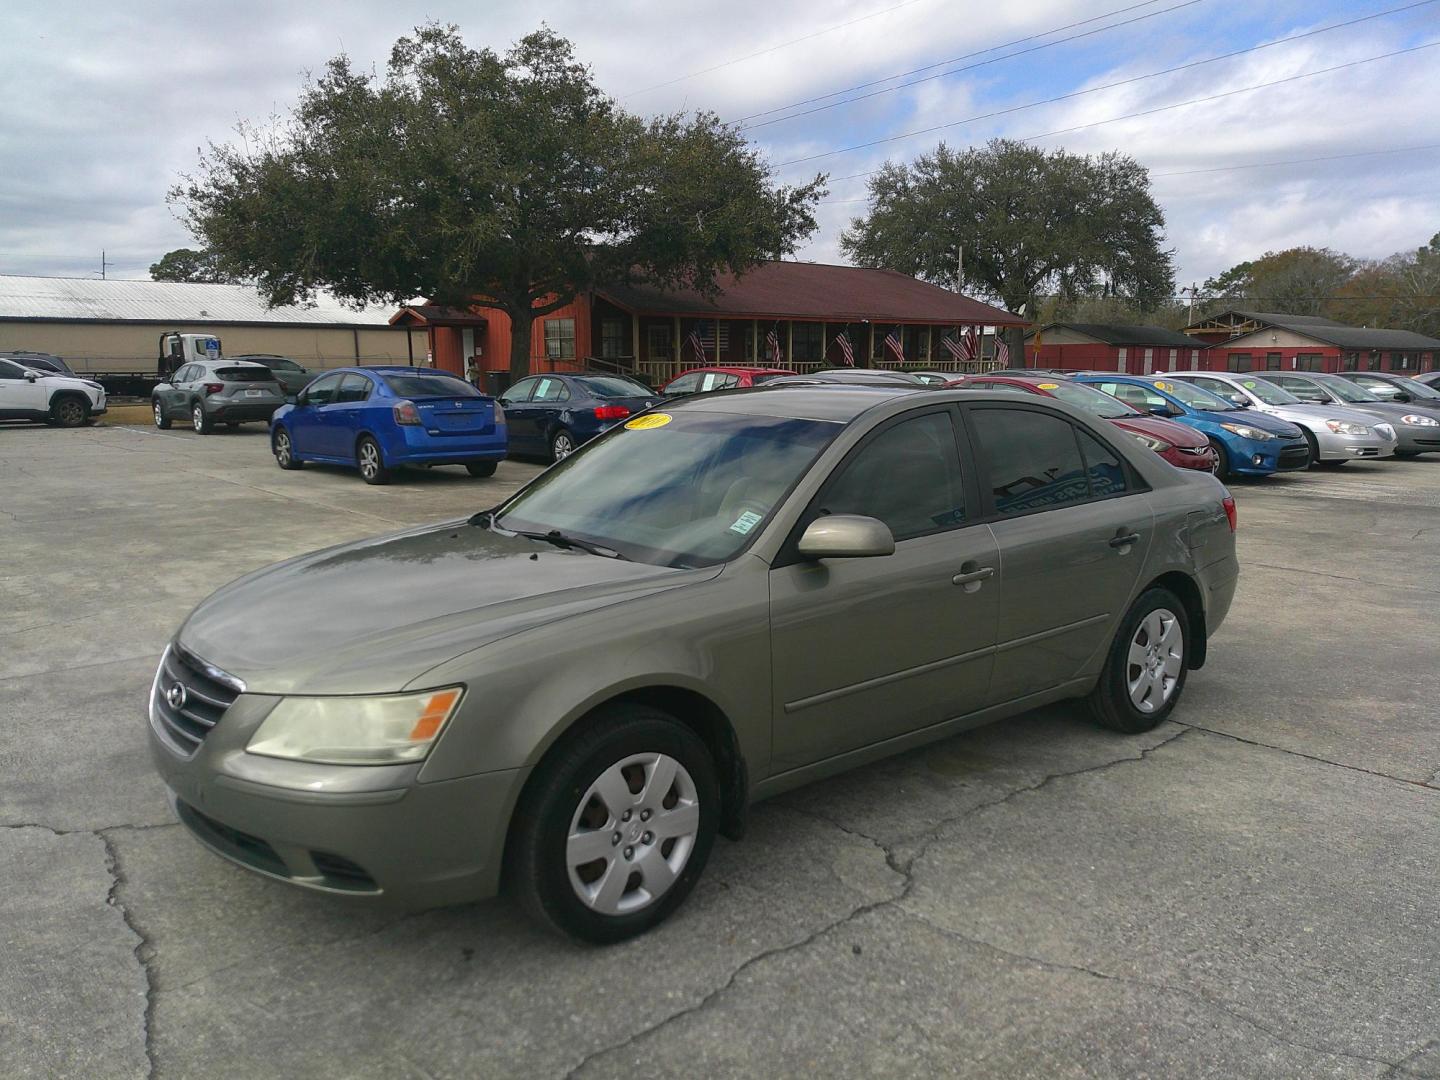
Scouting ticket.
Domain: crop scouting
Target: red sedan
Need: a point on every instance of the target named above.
(1182, 446)
(701, 379)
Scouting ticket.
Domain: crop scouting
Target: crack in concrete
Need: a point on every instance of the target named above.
(1404, 1063)
(1430, 784)
(144, 949)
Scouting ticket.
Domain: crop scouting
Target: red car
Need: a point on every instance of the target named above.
(699, 380)
(1179, 444)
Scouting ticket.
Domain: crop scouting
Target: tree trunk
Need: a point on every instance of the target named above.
(1015, 338)
(521, 327)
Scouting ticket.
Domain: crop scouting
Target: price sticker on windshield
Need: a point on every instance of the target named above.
(648, 421)
(1048, 386)
(1163, 386)
(1249, 384)
(745, 522)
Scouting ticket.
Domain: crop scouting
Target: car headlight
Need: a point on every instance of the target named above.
(1345, 427)
(1245, 431)
(384, 730)
(1151, 443)
(1420, 421)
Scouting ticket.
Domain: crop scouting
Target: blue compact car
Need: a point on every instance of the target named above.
(377, 419)
(554, 415)
(1247, 442)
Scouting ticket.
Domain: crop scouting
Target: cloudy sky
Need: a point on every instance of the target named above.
(105, 104)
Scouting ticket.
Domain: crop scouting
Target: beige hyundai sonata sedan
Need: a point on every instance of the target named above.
(723, 598)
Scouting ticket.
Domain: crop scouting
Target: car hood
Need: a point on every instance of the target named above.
(371, 616)
(1390, 411)
(1256, 418)
(1182, 435)
(1318, 413)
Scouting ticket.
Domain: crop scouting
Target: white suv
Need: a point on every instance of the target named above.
(31, 394)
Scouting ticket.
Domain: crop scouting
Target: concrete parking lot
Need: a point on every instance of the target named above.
(1249, 891)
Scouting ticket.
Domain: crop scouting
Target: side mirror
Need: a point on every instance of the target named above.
(1160, 410)
(846, 536)
(1239, 399)
(30, 376)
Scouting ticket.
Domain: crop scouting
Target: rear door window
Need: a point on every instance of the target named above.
(1030, 460)
(551, 390)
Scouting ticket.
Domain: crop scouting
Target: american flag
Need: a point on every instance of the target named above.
(1002, 351)
(696, 342)
(846, 349)
(971, 344)
(772, 346)
(892, 342)
(953, 347)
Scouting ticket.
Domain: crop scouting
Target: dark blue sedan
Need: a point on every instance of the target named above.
(378, 419)
(553, 415)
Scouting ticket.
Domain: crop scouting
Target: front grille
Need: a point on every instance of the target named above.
(240, 846)
(1295, 457)
(341, 873)
(184, 716)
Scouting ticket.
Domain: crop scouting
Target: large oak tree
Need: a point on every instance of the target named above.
(1025, 220)
(468, 177)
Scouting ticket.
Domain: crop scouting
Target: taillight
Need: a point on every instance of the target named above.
(406, 413)
(214, 387)
(611, 412)
(499, 412)
(1229, 503)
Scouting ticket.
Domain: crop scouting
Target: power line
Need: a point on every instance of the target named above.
(967, 67)
(1131, 80)
(770, 49)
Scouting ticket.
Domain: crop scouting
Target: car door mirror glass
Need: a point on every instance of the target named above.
(846, 536)
(1160, 410)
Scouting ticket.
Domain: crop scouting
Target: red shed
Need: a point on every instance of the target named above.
(1275, 341)
(1137, 350)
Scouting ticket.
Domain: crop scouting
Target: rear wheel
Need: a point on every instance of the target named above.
(562, 445)
(161, 420)
(284, 450)
(371, 464)
(480, 468)
(615, 827)
(1145, 672)
(202, 424)
(69, 411)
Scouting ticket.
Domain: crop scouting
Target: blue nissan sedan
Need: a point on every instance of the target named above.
(377, 419)
(1247, 442)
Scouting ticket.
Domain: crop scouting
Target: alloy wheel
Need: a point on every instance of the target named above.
(369, 460)
(1156, 659)
(197, 418)
(563, 446)
(632, 834)
(282, 450)
(70, 413)
(159, 415)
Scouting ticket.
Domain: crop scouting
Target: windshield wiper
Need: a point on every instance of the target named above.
(564, 540)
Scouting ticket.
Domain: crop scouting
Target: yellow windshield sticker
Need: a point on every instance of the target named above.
(1048, 386)
(1163, 386)
(648, 421)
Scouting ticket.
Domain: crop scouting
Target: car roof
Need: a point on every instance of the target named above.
(227, 361)
(1026, 380)
(402, 369)
(809, 401)
(729, 369)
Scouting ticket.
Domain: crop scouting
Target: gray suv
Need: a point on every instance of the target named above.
(716, 601)
(210, 392)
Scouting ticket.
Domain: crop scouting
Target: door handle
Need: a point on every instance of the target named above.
(1124, 540)
(971, 580)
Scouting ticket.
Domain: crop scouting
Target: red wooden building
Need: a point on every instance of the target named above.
(1260, 340)
(656, 333)
(1137, 350)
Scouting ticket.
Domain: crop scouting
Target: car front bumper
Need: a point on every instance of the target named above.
(1414, 439)
(1335, 447)
(373, 833)
(1257, 457)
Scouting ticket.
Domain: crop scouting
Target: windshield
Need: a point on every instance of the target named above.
(1196, 398)
(686, 488)
(1416, 388)
(1346, 390)
(1088, 398)
(756, 380)
(1269, 393)
(613, 386)
(420, 386)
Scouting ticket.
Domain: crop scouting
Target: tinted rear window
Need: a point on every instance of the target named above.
(611, 387)
(419, 386)
(756, 380)
(244, 374)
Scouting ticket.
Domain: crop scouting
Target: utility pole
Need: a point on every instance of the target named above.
(959, 267)
(103, 264)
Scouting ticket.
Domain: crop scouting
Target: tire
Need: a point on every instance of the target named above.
(626, 744)
(69, 411)
(480, 468)
(562, 445)
(371, 462)
(284, 451)
(1407, 453)
(1314, 445)
(162, 421)
(202, 424)
(1332, 465)
(1126, 699)
(1222, 463)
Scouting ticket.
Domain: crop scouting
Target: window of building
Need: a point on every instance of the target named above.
(908, 476)
(1194, 359)
(1309, 362)
(1149, 361)
(1173, 354)
(657, 341)
(1351, 361)
(1120, 355)
(1372, 362)
(1032, 460)
(1238, 361)
(560, 339)
(614, 342)
(1402, 362)
(1272, 361)
(807, 342)
(881, 350)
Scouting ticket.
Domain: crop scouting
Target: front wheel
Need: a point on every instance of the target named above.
(202, 424)
(69, 412)
(480, 468)
(1223, 471)
(1314, 445)
(562, 445)
(372, 465)
(1145, 672)
(161, 420)
(615, 827)
(284, 450)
